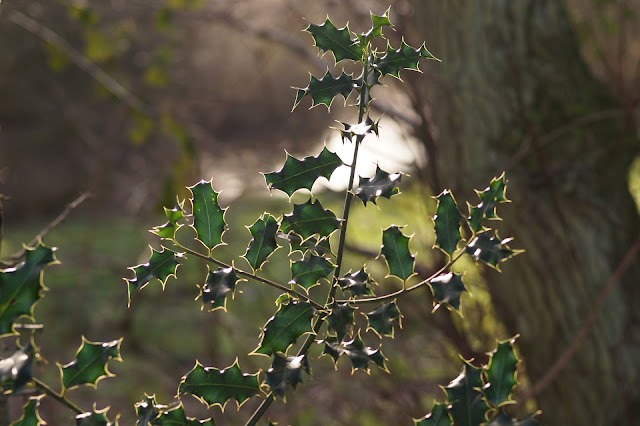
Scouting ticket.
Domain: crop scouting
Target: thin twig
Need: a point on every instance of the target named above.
(53, 394)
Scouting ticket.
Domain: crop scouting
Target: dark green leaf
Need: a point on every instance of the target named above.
(360, 129)
(324, 90)
(359, 354)
(447, 288)
(310, 219)
(208, 217)
(147, 411)
(381, 185)
(379, 22)
(161, 265)
(283, 329)
(491, 250)
(94, 418)
(358, 283)
(466, 405)
(341, 319)
(30, 415)
(218, 284)
(381, 319)
(216, 387)
(90, 364)
(168, 230)
(175, 416)
(447, 223)
(495, 193)
(504, 419)
(395, 249)
(296, 174)
(286, 370)
(21, 287)
(501, 374)
(337, 40)
(439, 416)
(310, 270)
(15, 371)
(263, 242)
(406, 57)
(321, 247)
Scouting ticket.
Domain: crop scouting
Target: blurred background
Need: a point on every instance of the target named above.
(131, 101)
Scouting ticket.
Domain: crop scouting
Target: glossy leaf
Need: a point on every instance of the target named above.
(308, 271)
(447, 288)
(161, 265)
(217, 286)
(90, 364)
(310, 219)
(406, 57)
(336, 40)
(439, 416)
(495, 193)
(501, 374)
(283, 329)
(382, 184)
(358, 283)
(341, 319)
(30, 415)
(490, 250)
(324, 90)
(395, 249)
(379, 22)
(263, 243)
(21, 287)
(208, 216)
(168, 230)
(504, 419)
(175, 416)
(147, 411)
(16, 371)
(216, 387)
(318, 246)
(381, 319)
(286, 370)
(466, 405)
(297, 174)
(361, 129)
(94, 418)
(447, 223)
(359, 354)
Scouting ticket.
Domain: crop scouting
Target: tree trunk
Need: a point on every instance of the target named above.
(513, 93)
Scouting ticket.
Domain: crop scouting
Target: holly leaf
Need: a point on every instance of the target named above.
(94, 418)
(310, 219)
(147, 411)
(317, 246)
(21, 287)
(381, 319)
(359, 354)
(447, 223)
(358, 283)
(216, 387)
(382, 184)
(341, 319)
(218, 284)
(406, 57)
(297, 174)
(503, 419)
(501, 374)
(90, 364)
(360, 129)
(310, 270)
(324, 90)
(168, 230)
(466, 405)
(15, 371)
(161, 265)
(379, 22)
(286, 370)
(30, 415)
(395, 249)
(490, 250)
(283, 329)
(447, 288)
(495, 193)
(336, 40)
(208, 217)
(439, 416)
(170, 416)
(263, 243)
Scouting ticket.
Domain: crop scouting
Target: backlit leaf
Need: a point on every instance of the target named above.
(336, 40)
(94, 418)
(491, 250)
(495, 193)
(341, 319)
(406, 57)
(283, 329)
(439, 416)
(168, 230)
(359, 354)
(216, 387)
(296, 174)
(90, 364)
(358, 283)
(175, 416)
(161, 265)
(218, 284)
(447, 223)
(30, 415)
(447, 288)
(15, 371)
(21, 287)
(395, 249)
(310, 219)
(318, 246)
(263, 242)
(501, 374)
(466, 405)
(382, 184)
(381, 319)
(324, 90)
(286, 370)
(504, 419)
(208, 216)
(308, 271)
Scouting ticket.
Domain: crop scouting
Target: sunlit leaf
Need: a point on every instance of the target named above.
(406, 57)
(286, 370)
(95, 418)
(263, 243)
(447, 288)
(161, 265)
(358, 283)
(208, 216)
(217, 286)
(341, 319)
(359, 354)
(447, 223)
(90, 364)
(310, 219)
(466, 404)
(30, 415)
(381, 319)
(382, 184)
(395, 249)
(490, 250)
(439, 416)
(501, 374)
(283, 329)
(324, 90)
(308, 271)
(336, 40)
(495, 193)
(16, 371)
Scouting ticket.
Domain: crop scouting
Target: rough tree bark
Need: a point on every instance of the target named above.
(513, 93)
